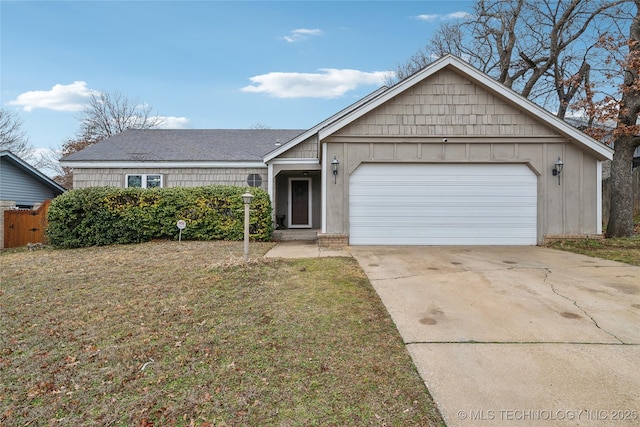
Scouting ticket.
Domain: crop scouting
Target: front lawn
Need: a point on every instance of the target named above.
(168, 333)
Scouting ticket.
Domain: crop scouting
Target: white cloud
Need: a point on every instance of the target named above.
(328, 83)
(455, 15)
(71, 97)
(427, 18)
(301, 34)
(447, 17)
(170, 122)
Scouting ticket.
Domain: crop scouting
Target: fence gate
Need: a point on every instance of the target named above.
(25, 226)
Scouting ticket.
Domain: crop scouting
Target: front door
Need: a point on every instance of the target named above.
(299, 202)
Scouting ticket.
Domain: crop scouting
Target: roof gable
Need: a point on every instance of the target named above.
(447, 104)
(589, 144)
(8, 156)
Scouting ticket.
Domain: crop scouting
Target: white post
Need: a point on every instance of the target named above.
(246, 199)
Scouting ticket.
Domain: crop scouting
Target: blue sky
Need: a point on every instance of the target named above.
(204, 64)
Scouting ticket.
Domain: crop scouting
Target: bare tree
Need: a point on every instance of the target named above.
(618, 106)
(105, 115)
(64, 175)
(626, 137)
(108, 114)
(543, 49)
(12, 137)
(259, 126)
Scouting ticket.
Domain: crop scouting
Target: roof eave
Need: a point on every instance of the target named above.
(599, 150)
(314, 130)
(116, 164)
(33, 171)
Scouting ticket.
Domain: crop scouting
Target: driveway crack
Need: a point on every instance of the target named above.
(575, 303)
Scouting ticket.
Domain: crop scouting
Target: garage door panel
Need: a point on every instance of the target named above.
(442, 241)
(495, 204)
(428, 189)
(497, 201)
(443, 215)
(439, 225)
(443, 204)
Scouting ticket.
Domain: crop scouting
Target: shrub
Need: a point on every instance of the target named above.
(104, 215)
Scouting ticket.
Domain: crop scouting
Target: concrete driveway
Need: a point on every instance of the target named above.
(516, 335)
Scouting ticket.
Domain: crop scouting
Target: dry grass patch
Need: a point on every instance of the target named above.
(621, 250)
(625, 250)
(168, 333)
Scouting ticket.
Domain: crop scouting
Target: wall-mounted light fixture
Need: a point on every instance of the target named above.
(557, 168)
(334, 168)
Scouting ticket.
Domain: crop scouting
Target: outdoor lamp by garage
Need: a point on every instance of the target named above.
(334, 168)
(557, 169)
(246, 199)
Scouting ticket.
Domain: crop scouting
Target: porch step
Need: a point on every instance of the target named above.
(288, 235)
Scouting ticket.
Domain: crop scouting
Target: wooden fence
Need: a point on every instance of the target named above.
(25, 226)
(606, 196)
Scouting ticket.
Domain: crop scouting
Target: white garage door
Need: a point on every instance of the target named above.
(442, 204)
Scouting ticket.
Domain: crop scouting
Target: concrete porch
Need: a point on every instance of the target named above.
(306, 234)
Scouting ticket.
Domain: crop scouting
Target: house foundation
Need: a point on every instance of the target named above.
(333, 240)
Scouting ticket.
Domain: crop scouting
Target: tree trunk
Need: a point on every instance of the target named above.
(621, 214)
(626, 141)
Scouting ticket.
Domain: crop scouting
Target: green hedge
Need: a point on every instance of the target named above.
(106, 215)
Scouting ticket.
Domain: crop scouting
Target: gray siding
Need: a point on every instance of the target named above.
(446, 104)
(480, 128)
(305, 150)
(566, 209)
(21, 187)
(178, 177)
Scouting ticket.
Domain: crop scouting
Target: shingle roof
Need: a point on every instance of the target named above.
(186, 145)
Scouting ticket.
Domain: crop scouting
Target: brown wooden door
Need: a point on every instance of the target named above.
(300, 202)
(25, 226)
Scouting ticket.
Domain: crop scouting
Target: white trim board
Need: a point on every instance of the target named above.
(156, 165)
(600, 150)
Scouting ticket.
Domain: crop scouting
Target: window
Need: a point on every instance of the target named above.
(254, 180)
(134, 181)
(144, 181)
